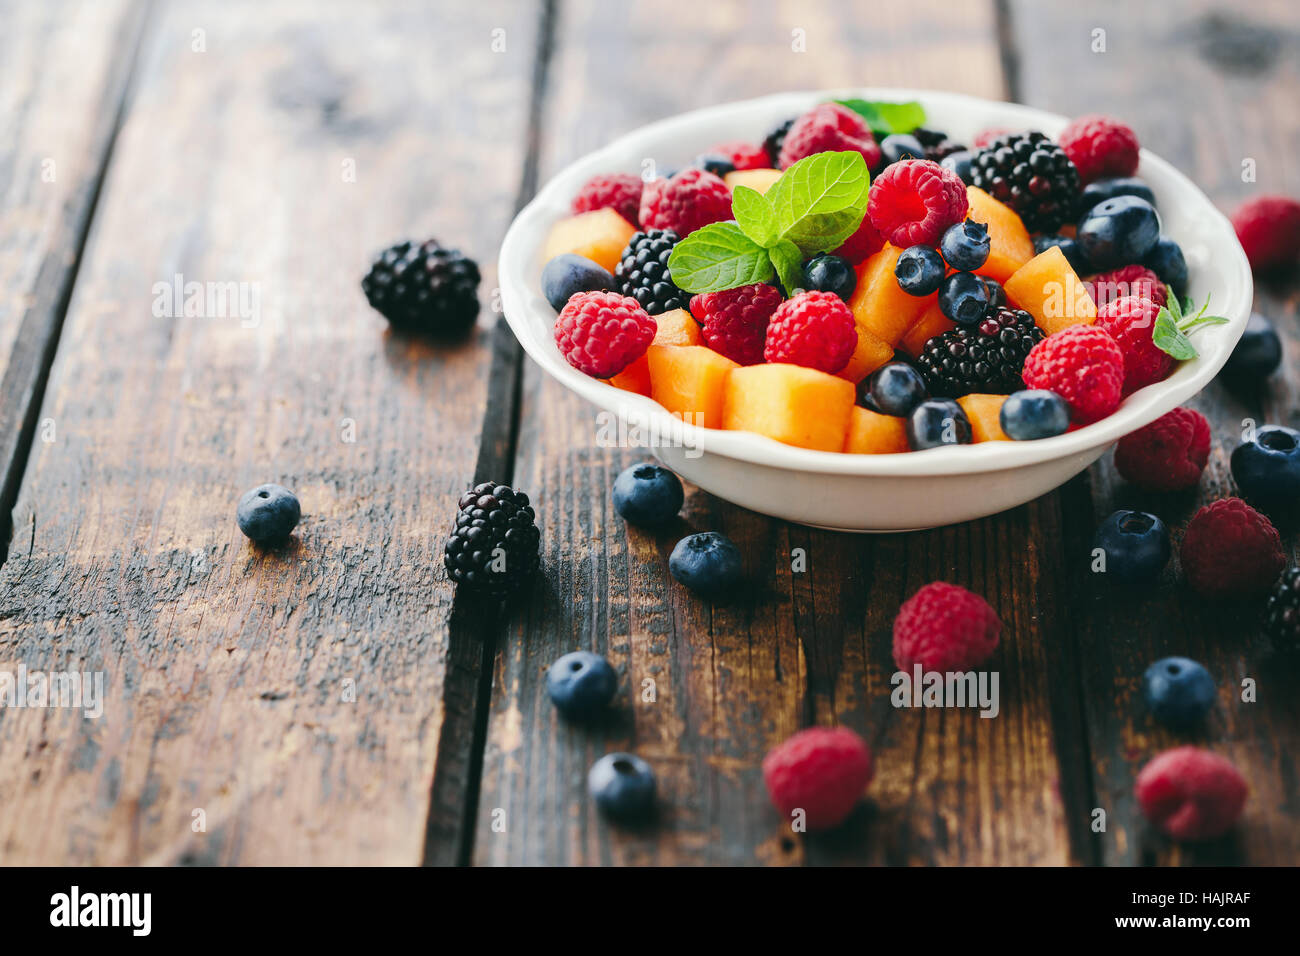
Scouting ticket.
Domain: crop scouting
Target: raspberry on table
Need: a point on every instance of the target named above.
(829, 127)
(914, 201)
(1135, 280)
(1130, 321)
(602, 333)
(1268, 229)
(945, 628)
(620, 192)
(684, 202)
(742, 155)
(1191, 794)
(813, 329)
(1083, 365)
(1231, 550)
(1100, 147)
(1167, 455)
(821, 771)
(733, 322)
(867, 241)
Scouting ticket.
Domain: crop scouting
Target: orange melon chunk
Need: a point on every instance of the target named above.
(931, 323)
(1049, 290)
(871, 433)
(1009, 244)
(601, 236)
(791, 404)
(868, 355)
(983, 412)
(879, 305)
(759, 180)
(689, 380)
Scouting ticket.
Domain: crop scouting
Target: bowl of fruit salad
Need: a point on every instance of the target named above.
(875, 309)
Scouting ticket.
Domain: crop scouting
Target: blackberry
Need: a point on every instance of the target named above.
(422, 287)
(986, 357)
(493, 546)
(1282, 615)
(937, 145)
(1032, 175)
(643, 272)
(774, 140)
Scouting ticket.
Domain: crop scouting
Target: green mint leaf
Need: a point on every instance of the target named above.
(1174, 306)
(787, 258)
(885, 118)
(716, 257)
(1169, 338)
(820, 200)
(755, 216)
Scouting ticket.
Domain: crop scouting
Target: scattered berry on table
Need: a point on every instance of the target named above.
(820, 771)
(1118, 232)
(493, 545)
(997, 294)
(568, 274)
(919, 270)
(964, 298)
(1166, 260)
(912, 202)
(1282, 614)
(1169, 454)
(1191, 794)
(1231, 550)
(602, 333)
(1269, 230)
(775, 139)
(623, 787)
(1100, 147)
(1178, 691)
(1135, 280)
(422, 287)
(813, 329)
(867, 241)
(936, 143)
(988, 358)
(268, 513)
(684, 202)
(935, 423)
(643, 273)
(1032, 175)
(1069, 248)
(733, 322)
(581, 685)
(965, 245)
(714, 163)
(1102, 189)
(647, 494)
(827, 273)
(742, 155)
(707, 563)
(829, 126)
(960, 163)
(1083, 365)
(894, 389)
(1031, 414)
(1257, 354)
(1267, 470)
(897, 147)
(1136, 545)
(945, 628)
(620, 192)
(1130, 322)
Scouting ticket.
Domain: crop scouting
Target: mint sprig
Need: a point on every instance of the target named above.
(1173, 325)
(885, 118)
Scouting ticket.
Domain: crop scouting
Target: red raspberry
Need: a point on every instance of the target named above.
(602, 333)
(620, 192)
(1167, 455)
(820, 771)
(742, 155)
(1129, 280)
(815, 329)
(989, 134)
(1083, 365)
(690, 199)
(913, 202)
(1231, 550)
(1130, 322)
(1100, 147)
(734, 322)
(1269, 230)
(829, 127)
(1190, 793)
(866, 242)
(945, 628)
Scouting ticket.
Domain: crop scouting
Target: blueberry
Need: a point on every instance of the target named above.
(997, 294)
(1179, 691)
(647, 494)
(1118, 232)
(1103, 189)
(1257, 355)
(1166, 260)
(963, 298)
(959, 163)
(707, 563)
(568, 274)
(1069, 248)
(1136, 546)
(713, 163)
(919, 270)
(965, 245)
(937, 422)
(1034, 413)
(268, 513)
(895, 389)
(581, 684)
(1267, 469)
(900, 146)
(827, 273)
(623, 786)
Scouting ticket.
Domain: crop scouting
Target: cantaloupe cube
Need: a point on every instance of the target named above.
(759, 180)
(1048, 289)
(689, 381)
(634, 378)
(931, 323)
(789, 403)
(869, 354)
(677, 327)
(871, 433)
(601, 236)
(1009, 244)
(983, 412)
(879, 305)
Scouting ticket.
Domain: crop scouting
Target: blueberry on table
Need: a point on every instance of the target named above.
(581, 684)
(959, 163)
(623, 786)
(569, 274)
(1100, 190)
(919, 270)
(965, 245)
(899, 146)
(268, 513)
(937, 422)
(647, 494)
(894, 389)
(1178, 691)
(827, 273)
(963, 297)
(707, 563)
(1267, 470)
(1118, 232)
(1136, 545)
(1034, 413)
(1257, 355)
(1069, 248)
(1166, 260)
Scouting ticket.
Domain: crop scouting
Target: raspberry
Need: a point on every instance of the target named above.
(1130, 280)
(602, 333)
(829, 127)
(820, 771)
(867, 241)
(690, 199)
(1190, 793)
(620, 192)
(815, 329)
(945, 628)
(742, 155)
(1231, 550)
(914, 201)
(989, 134)
(1130, 322)
(1083, 365)
(1167, 455)
(734, 322)
(1100, 147)
(1269, 230)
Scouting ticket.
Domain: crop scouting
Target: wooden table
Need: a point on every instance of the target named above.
(335, 702)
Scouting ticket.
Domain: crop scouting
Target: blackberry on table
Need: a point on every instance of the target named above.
(936, 144)
(986, 357)
(1032, 175)
(493, 546)
(1282, 614)
(423, 287)
(643, 272)
(774, 140)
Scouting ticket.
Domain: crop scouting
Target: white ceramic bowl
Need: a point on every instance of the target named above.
(868, 492)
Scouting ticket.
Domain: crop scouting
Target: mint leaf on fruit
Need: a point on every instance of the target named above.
(718, 256)
(755, 216)
(788, 260)
(1170, 333)
(820, 200)
(885, 118)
